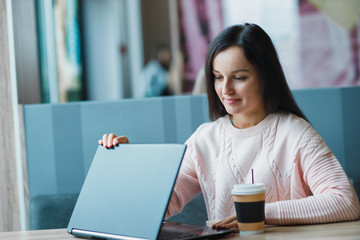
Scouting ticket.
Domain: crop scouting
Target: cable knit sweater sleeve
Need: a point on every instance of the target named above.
(187, 185)
(333, 197)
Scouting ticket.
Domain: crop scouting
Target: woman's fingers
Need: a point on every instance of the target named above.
(226, 220)
(228, 223)
(121, 139)
(232, 225)
(110, 140)
(229, 219)
(104, 140)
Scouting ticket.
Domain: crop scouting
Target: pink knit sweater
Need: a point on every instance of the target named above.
(305, 182)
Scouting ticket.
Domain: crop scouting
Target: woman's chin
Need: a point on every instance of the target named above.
(231, 110)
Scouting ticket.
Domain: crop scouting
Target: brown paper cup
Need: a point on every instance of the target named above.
(249, 202)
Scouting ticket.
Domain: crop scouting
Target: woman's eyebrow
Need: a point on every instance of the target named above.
(240, 70)
(235, 71)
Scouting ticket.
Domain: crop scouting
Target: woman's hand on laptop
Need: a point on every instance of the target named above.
(110, 140)
(227, 223)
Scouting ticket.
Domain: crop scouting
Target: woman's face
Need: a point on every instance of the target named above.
(237, 83)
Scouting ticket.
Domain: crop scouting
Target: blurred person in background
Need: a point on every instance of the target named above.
(155, 75)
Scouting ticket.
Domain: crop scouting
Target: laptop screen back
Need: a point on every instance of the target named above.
(127, 190)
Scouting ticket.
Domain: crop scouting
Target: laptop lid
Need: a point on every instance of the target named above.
(126, 191)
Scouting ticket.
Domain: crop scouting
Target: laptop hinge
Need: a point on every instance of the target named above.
(91, 234)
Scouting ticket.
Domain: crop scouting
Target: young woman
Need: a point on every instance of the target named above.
(256, 124)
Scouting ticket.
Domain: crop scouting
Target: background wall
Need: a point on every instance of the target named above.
(102, 44)
(26, 51)
(9, 204)
(155, 25)
(111, 47)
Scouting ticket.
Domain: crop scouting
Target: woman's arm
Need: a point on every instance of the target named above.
(187, 185)
(334, 198)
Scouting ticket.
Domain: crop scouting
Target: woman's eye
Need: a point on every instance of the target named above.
(240, 78)
(218, 77)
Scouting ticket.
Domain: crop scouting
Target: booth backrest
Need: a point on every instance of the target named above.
(61, 139)
(335, 115)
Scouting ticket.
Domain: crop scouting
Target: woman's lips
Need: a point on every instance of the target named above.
(231, 100)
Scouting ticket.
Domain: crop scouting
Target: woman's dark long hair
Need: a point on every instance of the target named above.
(260, 52)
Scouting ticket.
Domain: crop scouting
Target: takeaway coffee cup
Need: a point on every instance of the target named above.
(249, 205)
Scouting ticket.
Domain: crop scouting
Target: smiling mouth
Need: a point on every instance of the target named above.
(231, 101)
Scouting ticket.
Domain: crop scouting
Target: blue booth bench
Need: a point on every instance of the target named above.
(61, 140)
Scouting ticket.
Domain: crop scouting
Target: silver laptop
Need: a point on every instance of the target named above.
(126, 194)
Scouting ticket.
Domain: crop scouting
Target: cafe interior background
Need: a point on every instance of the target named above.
(97, 48)
(94, 50)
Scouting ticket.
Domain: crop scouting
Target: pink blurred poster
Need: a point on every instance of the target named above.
(200, 22)
(317, 40)
(329, 51)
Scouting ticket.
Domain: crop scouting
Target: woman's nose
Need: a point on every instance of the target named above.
(227, 87)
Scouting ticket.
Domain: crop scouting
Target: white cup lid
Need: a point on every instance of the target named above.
(248, 188)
